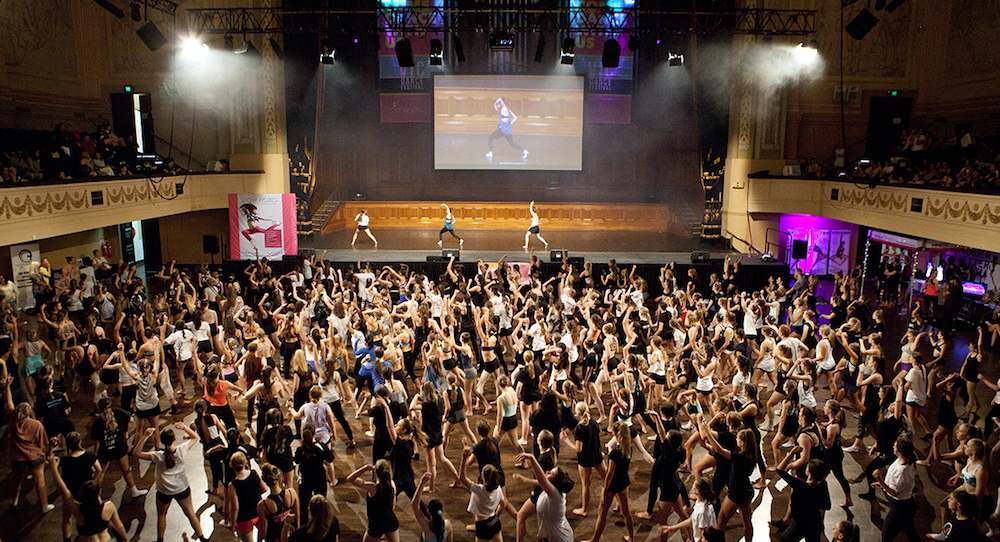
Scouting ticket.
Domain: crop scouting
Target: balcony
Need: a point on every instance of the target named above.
(34, 212)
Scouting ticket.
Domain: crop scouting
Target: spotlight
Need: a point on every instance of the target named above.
(111, 8)
(567, 55)
(861, 25)
(501, 41)
(806, 53)
(540, 49)
(633, 42)
(276, 47)
(227, 42)
(675, 60)
(891, 6)
(327, 53)
(437, 52)
(459, 51)
(404, 53)
(250, 53)
(136, 9)
(191, 46)
(612, 53)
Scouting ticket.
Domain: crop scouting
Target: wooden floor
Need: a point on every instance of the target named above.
(26, 523)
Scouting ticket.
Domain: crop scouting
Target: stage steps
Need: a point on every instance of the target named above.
(511, 216)
(322, 215)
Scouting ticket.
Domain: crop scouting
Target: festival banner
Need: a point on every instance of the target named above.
(21, 257)
(262, 225)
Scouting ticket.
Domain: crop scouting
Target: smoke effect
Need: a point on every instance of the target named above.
(210, 76)
(770, 67)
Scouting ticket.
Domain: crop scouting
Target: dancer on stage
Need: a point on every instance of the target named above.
(362, 220)
(534, 228)
(449, 226)
(504, 128)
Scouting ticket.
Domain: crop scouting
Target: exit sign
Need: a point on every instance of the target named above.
(893, 93)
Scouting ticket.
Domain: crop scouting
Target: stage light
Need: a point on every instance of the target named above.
(227, 42)
(459, 51)
(675, 60)
(404, 53)
(807, 53)
(862, 24)
(540, 49)
(437, 52)
(111, 8)
(276, 47)
(633, 42)
(192, 46)
(250, 53)
(501, 41)
(893, 5)
(612, 53)
(327, 54)
(136, 9)
(567, 55)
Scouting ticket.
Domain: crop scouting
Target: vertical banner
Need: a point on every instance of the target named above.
(262, 225)
(21, 257)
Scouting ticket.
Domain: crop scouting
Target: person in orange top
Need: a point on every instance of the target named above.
(217, 395)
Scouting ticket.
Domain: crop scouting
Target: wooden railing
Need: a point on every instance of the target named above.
(510, 216)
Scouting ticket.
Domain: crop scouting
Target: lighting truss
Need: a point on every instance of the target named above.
(166, 6)
(415, 19)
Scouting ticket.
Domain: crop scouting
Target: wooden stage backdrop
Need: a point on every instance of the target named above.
(510, 216)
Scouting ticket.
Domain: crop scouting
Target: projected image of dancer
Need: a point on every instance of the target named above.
(250, 213)
(449, 226)
(362, 220)
(534, 228)
(504, 128)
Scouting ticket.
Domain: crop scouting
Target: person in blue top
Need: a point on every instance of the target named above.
(449, 224)
(505, 128)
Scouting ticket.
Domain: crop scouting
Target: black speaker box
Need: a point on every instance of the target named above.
(862, 24)
(799, 249)
(700, 257)
(210, 244)
(404, 53)
(447, 253)
(151, 36)
(612, 53)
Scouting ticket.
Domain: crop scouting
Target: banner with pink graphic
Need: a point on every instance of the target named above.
(262, 225)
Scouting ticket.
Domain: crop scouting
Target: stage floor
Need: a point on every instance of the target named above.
(408, 245)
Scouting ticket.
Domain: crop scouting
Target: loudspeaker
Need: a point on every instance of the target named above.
(404, 53)
(111, 8)
(700, 257)
(151, 36)
(612, 53)
(556, 256)
(799, 249)
(861, 25)
(447, 253)
(210, 243)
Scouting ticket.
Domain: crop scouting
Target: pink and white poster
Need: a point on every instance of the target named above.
(262, 225)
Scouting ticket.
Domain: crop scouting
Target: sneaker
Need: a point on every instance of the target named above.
(461, 242)
(936, 536)
(787, 444)
(48, 508)
(852, 449)
(489, 154)
(525, 155)
(688, 426)
(651, 437)
(439, 243)
(134, 492)
(765, 427)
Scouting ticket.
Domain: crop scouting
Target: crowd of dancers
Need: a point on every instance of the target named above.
(707, 393)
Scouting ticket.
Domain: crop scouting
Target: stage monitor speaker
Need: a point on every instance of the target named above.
(210, 244)
(556, 255)
(447, 253)
(436, 258)
(799, 249)
(575, 260)
(700, 257)
(151, 36)
(861, 25)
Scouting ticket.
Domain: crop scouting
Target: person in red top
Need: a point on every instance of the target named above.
(217, 395)
(28, 443)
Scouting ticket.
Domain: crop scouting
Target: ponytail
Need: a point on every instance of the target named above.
(167, 438)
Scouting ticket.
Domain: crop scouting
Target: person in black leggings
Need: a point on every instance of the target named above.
(899, 484)
(810, 498)
(886, 432)
(831, 442)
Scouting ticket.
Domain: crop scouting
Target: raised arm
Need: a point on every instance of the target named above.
(541, 477)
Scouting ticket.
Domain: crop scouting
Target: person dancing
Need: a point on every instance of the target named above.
(362, 220)
(505, 128)
(449, 226)
(534, 227)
